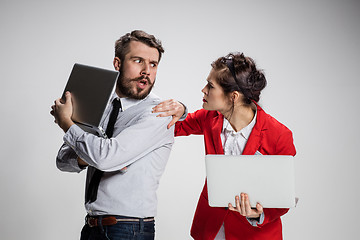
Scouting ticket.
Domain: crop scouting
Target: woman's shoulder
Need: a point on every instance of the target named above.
(269, 122)
(277, 138)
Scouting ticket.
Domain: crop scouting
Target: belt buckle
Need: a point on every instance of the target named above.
(91, 221)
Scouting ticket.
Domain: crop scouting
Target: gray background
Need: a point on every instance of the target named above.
(308, 49)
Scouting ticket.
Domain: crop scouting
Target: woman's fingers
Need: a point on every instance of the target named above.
(237, 205)
(230, 206)
(248, 209)
(259, 208)
(173, 121)
(243, 204)
(164, 106)
(244, 208)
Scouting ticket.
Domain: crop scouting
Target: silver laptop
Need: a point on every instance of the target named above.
(91, 89)
(267, 179)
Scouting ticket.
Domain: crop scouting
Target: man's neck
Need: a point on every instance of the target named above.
(120, 95)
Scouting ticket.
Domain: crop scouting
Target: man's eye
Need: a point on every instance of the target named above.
(137, 61)
(153, 64)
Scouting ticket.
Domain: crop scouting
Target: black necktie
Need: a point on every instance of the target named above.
(91, 193)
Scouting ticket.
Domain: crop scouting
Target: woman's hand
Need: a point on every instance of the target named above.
(170, 108)
(244, 208)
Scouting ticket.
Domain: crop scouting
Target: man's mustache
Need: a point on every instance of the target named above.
(142, 78)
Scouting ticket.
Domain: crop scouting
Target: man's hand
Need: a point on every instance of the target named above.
(170, 108)
(244, 207)
(62, 112)
(82, 164)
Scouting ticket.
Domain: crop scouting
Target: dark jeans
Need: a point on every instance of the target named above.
(120, 231)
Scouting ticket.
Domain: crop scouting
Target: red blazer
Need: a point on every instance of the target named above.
(269, 137)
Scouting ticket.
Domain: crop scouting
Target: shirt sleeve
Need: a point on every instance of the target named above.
(66, 160)
(131, 144)
(256, 221)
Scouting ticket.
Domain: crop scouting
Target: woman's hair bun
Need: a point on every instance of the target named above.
(236, 72)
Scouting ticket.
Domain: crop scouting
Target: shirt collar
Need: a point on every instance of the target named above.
(245, 132)
(126, 103)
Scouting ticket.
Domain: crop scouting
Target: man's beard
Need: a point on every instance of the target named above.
(127, 90)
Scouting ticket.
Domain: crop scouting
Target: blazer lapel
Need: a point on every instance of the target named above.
(216, 131)
(253, 143)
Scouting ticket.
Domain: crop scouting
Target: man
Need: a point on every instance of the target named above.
(128, 165)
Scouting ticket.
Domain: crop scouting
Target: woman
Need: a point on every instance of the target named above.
(233, 123)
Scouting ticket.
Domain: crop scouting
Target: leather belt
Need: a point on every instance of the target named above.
(112, 220)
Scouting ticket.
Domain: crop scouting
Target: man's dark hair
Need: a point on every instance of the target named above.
(122, 44)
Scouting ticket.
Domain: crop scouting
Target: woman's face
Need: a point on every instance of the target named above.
(214, 96)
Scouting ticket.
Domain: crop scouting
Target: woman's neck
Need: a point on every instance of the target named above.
(240, 117)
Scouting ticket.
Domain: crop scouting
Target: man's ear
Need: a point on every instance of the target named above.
(117, 63)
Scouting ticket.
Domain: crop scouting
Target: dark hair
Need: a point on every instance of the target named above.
(121, 45)
(235, 72)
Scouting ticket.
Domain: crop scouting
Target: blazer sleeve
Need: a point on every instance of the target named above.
(193, 124)
(284, 146)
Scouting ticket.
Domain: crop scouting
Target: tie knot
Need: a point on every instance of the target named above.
(116, 103)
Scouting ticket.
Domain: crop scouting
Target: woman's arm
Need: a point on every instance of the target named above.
(192, 124)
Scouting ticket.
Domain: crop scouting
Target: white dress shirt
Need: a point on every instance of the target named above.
(141, 142)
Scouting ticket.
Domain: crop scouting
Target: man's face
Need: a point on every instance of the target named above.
(137, 71)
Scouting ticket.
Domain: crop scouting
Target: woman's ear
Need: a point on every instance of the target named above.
(235, 96)
(117, 63)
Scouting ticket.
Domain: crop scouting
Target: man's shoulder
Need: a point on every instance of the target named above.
(152, 99)
(146, 105)
(144, 109)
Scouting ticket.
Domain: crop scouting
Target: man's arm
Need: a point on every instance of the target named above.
(134, 142)
(68, 161)
(130, 145)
